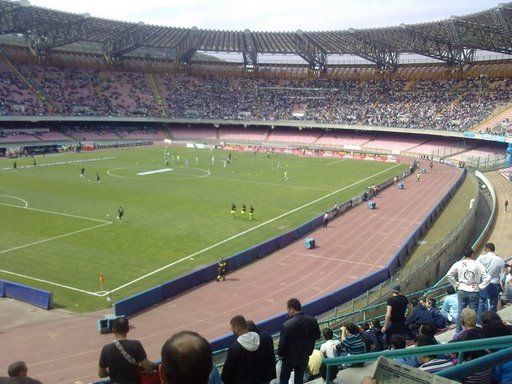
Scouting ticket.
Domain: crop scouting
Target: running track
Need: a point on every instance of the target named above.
(361, 241)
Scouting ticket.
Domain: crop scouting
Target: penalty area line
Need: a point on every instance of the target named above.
(249, 230)
(50, 283)
(58, 213)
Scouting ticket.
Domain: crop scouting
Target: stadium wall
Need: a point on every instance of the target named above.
(38, 297)
(494, 207)
(335, 298)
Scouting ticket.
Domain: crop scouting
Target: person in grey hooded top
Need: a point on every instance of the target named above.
(245, 357)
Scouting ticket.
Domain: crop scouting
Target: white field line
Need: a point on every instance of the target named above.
(58, 163)
(111, 173)
(155, 171)
(103, 223)
(248, 230)
(336, 162)
(58, 213)
(25, 202)
(50, 282)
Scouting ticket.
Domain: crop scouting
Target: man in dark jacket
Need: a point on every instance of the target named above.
(268, 359)
(296, 342)
(245, 356)
(420, 315)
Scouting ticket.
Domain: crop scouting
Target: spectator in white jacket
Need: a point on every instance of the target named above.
(468, 277)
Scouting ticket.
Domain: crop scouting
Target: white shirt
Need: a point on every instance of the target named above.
(468, 275)
(329, 347)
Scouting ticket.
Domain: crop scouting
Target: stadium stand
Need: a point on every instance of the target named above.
(52, 136)
(242, 135)
(418, 97)
(14, 136)
(453, 105)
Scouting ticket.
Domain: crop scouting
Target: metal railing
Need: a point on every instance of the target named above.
(459, 347)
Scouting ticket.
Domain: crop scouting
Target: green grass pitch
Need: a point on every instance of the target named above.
(59, 231)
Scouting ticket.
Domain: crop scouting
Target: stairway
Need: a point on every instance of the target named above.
(156, 93)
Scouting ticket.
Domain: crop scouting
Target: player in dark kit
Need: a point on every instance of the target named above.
(233, 209)
(120, 213)
(221, 268)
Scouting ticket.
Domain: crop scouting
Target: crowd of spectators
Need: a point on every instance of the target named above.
(81, 92)
(434, 104)
(369, 338)
(16, 98)
(100, 133)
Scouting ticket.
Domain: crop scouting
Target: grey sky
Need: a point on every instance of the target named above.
(272, 15)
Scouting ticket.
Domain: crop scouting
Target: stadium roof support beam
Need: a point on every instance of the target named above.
(188, 46)
(502, 17)
(60, 34)
(26, 21)
(458, 37)
(424, 44)
(10, 17)
(315, 56)
(453, 41)
(124, 42)
(470, 35)
(42, 30)
(377, 52)
(249, 53)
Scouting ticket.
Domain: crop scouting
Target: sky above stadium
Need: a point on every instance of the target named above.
(272, 15)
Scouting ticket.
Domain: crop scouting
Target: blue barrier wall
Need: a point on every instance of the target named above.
(338, 297)
(140, 301)
(38, 297)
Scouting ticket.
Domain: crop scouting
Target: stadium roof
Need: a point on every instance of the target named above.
(454, 41)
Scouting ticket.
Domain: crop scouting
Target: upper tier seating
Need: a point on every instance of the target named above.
(454, 105)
